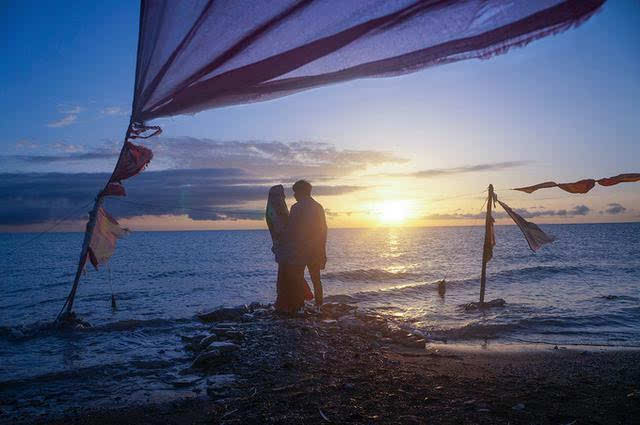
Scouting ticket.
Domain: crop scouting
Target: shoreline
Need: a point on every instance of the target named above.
(351, 366)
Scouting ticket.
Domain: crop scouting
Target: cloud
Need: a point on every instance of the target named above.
(114, 111)
(269, 158)
(578, 210)
(201, 194)
(437, 172)
(288, 161)
(64, 121)
(47, 159)
(70, 116)
(614, 209)
(202, 178)
(67, 147)
(26, 144)
(67, 109)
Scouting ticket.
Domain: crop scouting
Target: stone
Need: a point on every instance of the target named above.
(207, 340)
(218, 381)
(499, 302)
(207, 358)
(224, 314)
(223, 346)
(185, 382)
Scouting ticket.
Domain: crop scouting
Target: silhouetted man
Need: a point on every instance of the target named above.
(306, 237)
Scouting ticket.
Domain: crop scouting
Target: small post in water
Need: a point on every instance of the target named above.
(487, 247)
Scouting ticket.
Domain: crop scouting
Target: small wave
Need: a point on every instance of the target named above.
(541, 272)
(618, 298)
(341, 298)
(473, 331)
(25, 332)
(369, 275)
(131, 324)
(133, 368)
(43, 329)
(22, 289)
(406, 290)
(172, 273)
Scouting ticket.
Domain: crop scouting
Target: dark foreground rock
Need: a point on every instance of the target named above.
(348, 366)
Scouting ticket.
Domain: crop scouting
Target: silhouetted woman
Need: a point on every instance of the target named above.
(292, 290)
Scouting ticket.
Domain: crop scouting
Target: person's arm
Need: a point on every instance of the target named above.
(323, 238)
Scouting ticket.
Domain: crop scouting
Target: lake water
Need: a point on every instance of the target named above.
(582, 289)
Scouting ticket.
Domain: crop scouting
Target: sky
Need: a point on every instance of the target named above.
(415, 150)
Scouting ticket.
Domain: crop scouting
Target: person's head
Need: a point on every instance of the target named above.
(301, 189)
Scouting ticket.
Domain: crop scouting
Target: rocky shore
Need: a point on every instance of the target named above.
(342, 365)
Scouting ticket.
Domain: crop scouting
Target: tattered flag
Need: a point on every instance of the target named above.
(134, 159)
(103, 240)
(583, 186)
(532, 233)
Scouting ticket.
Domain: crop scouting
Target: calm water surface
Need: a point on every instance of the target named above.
(582, 289)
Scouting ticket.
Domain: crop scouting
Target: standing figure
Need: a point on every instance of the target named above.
(291, 290)
(305, 237)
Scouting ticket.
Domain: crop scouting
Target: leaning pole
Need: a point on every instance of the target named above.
(487, 247)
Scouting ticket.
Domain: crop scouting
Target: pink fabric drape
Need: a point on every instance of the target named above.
(103, 240)
(199, 54)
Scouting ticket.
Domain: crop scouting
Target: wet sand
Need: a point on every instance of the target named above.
(349, 367)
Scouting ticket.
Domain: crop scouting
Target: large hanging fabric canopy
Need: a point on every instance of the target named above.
(200, 54)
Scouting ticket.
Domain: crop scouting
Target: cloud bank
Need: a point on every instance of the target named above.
(201, 178)
(201, 194)
(438, 172)
(614, 209)
(71, 116)
(578, 210)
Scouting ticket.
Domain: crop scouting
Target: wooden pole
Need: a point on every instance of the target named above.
(487, 244)
(67, 308)
(68, 305)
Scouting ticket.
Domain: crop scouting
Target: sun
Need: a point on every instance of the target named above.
(392, 212)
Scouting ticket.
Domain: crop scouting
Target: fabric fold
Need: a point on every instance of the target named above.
(133, 159)
(103, 239)
(199, 54)
(620, 178)
(532, 233)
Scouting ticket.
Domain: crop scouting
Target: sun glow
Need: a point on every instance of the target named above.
(393, 212)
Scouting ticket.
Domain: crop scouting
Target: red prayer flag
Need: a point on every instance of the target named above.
(134, 159)
(114, 189)
(582, 186)
(620, 178)
(531, 189)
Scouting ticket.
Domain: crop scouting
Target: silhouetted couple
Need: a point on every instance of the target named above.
(299, 241)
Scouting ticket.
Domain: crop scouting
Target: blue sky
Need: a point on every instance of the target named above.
(565, 107)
